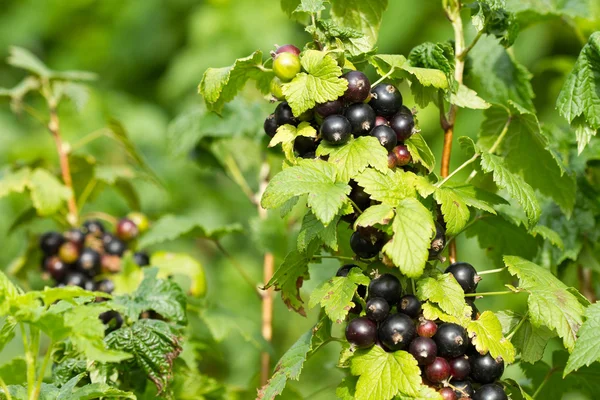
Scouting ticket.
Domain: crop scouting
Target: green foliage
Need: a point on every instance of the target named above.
(355, 156)
(446, 293)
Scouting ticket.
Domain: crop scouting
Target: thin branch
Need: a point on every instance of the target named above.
(505, 292)
(466, 51)
(457, 170)
(516, 328)
(90, 137)
(235, 173)
(342, 258)
(103, 216)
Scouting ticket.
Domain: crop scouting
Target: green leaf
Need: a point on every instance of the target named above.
(580, 96)
(420, 151)
(478, 198)
(316, 178)
(319, 84)
(14, 371)
(397, 67)
(491, 18)
(389, 187)
(171, 227)
(336, 294)
(8, 293)
(289, 278)
(413, 229)
(355, 156)
(362, 16)
(532, 11)
(446, 293)
(95, 391)
(486, 336)
(531, 341)
(24, 59)
(220, 85)
(433, 55)
(384, 375)
(286, 134)
(548, 234)
(425, 393)
(310, 6)
(586, 350)
(312, 228)
(154, 345)
(48, 194)
(7, 331)
(169, 264)
(14, 182)
(381, 214)
(468, 98)
(454, 208)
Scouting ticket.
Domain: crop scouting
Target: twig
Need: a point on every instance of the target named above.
(384, 77)
(238, 177)
(517, 327)
(466, 51)
(103, 216)
(343, 258)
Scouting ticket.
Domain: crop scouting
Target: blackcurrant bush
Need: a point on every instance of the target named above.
(358, 195)
(284, 115)
(89, 262)
(438, 370)
(410, 305)
(112, 319)
(465, 275)
(460, 368)
(106, 286)
(141, 258)
(286, 66)
(358, 87)
(361, 332)
(426, 328)
(403, 125)
(447, 394)
(336, 129)
(140, 220)
(462, 388)
(366, 245)
(75, 236)
(377, 309)
(397, 331)
(75, 279)
(490, 392)
(288, 48)
(386, 100)
(361, 117)
(485, 369)
(93, 227)
(56, 268)
(386, 286)
(115, 247)
(385, 135)
(451, 339)
(68, 252)
(439, 241)
(391, 160)
(304, 145)
(329, 108)
(50, 242)
(379, 120)
(270, 125)
(423, 349)
(402, 154)
(471, 302)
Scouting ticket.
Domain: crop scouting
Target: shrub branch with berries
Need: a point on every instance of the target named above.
(355, 157)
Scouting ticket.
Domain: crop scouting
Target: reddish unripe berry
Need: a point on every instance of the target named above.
(358, 87)
(391, 160)
(448, 394)
(426, 328)
(68, 252)
(438, 371)
(288, 48)
(127, 230)
(380, 120)
(402, 155)
(55, 267)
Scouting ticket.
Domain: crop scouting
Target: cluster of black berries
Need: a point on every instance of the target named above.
(448, 360)
(361, 111)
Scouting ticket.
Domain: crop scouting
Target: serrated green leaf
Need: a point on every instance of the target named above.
(532, 11)
(312, 228)
(362, 16)
(316, 178)
(444, 291)
(413, 229)
(381, 214)
(426, 77)
(531, 341)
(433, 312)
(355, 156)
(319, 84)
(486, 336)
(14, 182)
(454, 209)
(346, 389)
(95, 391)
(286, 134)
(24, 59)
(420, 151)
(478, 198)
(425, 393)
(433, 55)
(335, 295)
(288, 278)
(468, 98)
(310, 6)
(169, 264)
(48, 194)
(110, 174)
(384, 375)
(548, 234)
(586, 350)
(14, 371)
(389, 187)
(8, 292)
(515, 391)
(7, 331)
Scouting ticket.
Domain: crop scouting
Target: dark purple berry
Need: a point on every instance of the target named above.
(270, 125)
(471, 302)
(423, 349)
(89, 262)
(50, 242)
(106, 286)
(386, 100)
(447, 394)
(385, 135)
(93, 227)
(410, 305)
(365, 244)
(465, 275)
(288, 48)
(485, 369)
(438, 371)
(462, 388)
(358, 195)
(115, 247)
(426, 328)
(402, 154)
(438, 243)
(397, 331)
(377, 309)
(112, 319)
(336, 130)
(452, 340)
(361, 332)
(304, 145)
(361, 117)
(379, 120)
(358, 87)
(403, 125)
(391, 160)
(386, 286)
(460, 368)
(127, 230)
(490, 392)
(56, 268)
(75, 236)
(284, 115)
(75, 279)
(329, 108)
(141, 258)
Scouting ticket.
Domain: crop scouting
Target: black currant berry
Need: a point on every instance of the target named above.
(329, 108)
(106, 286)
(423, 349)
(93, 227)
(112, 319)
(410, 305)
(402, 154)
(385, 135)
(460, 368)
(485, 369)
(75, 279)
(391, 160)
(490, 392)
(386, 286)
(361, 332)
(377, 309)
(471, 302)
(68, 252)
(288, 48)
(361, 117)
(462, 388)
(379, 120)
(397, 331)
(284, 115)
(304, 145)
(270, 125)
(439, 241)
(358, 195)
(465, 275)
(141, 258)
(114, 246)
(447, 394)
(50, 242)
(336, 129)
(358, 87)
(426, 328)
(386, 100)
(56, 268)
(438, 370)
(366, 245)
(403, 125)
(89, 284)
(89, 262)
(451, 339)
(75, 236)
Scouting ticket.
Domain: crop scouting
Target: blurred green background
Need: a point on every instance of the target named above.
(150, 56)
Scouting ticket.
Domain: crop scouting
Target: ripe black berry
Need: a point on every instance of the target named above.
(403, 125)
(141, 258)
(377, 309)
(329, 108)
(75, 279)
(112, 319)
(423, 349)
(366, 245)
(410, 305)
(55, 267)
(438, 243)
(460, 368)
(68, 252)
(361, 332)
(288, 48)
(386, 100)
(304, 145)
(386, 286)
(451, 339)
(438, 370)
(284, 115)
(426, 328)
(270, 125)
(397, 331)
(114, 246)
(465, 275)
(75, 236)
(462, 388)
(358, 87)
(402, 154)
(490, 392)
(386, 136)
(358, 195)
(106, 286)
(361, 117)
(50, 242)
(336, 129)
(93, 227)
(485, 369)
(447, 394)
(89, 262)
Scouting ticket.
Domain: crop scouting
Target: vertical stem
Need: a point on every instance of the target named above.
(586, 283)
(38, 385)
(30, 361)
(5, 389)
